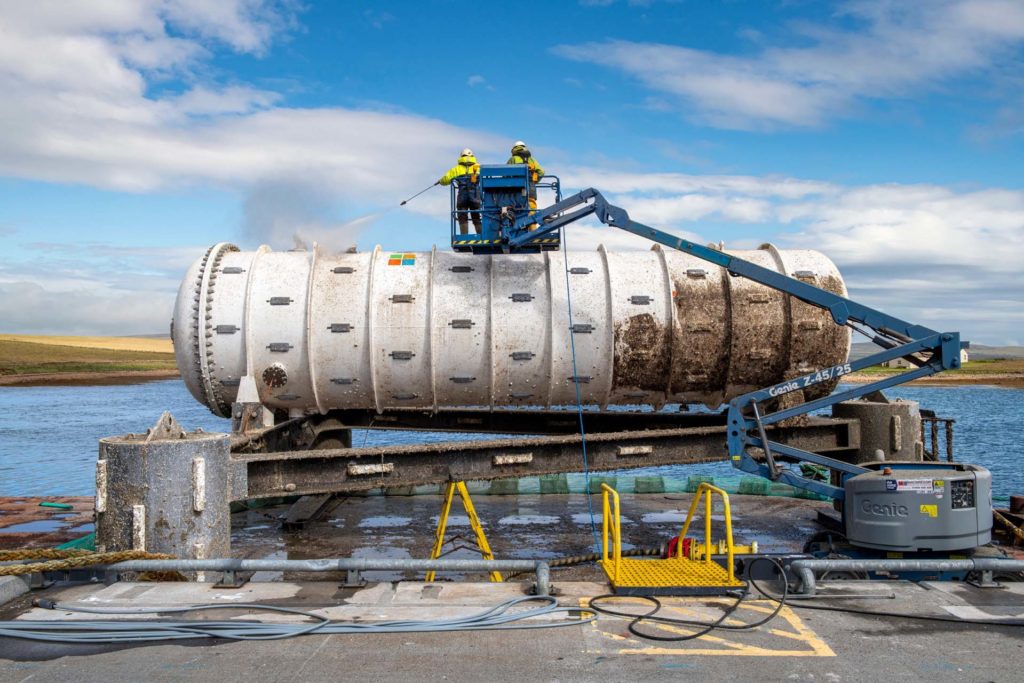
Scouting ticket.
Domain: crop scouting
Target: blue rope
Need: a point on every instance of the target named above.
(579, 400)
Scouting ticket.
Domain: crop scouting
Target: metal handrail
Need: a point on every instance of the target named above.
(610, 521)
(705, 491)
(806, 568)
(349, 564)
(553, 182)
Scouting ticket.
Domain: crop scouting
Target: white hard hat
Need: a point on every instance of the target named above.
(467, 152)
(518, 143)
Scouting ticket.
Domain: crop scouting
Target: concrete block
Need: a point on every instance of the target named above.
(11, 587)
(890, 429)
(166, 491)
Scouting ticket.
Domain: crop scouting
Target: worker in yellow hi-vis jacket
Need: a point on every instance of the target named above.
(466, 175)
(521, 155)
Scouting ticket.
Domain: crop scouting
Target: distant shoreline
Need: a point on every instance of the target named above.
(41, 360)
(1007, 380)
(86, 378)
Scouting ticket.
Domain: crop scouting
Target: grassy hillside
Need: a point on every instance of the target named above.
(150, 344)
(1012, 366)
(977, 352)
(30, 355)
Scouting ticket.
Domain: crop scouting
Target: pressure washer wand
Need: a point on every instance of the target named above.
(418, 194)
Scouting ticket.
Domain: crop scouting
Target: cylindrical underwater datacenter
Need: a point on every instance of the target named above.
(376, 330)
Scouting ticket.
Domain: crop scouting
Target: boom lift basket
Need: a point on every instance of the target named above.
(505, 193)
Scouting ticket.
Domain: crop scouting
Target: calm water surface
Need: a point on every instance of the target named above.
(48, 434)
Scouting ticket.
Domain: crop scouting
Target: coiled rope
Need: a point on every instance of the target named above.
(48, 559)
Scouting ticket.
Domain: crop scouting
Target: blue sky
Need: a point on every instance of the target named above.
(889, 135)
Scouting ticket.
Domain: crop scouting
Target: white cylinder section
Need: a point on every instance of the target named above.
(321, 331)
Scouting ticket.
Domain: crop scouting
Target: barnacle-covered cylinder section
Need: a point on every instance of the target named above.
(320, 331)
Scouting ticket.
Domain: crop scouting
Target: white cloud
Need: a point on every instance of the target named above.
(938, 256)
(896, 49)
(377, 19)
(478, 81)
(93, 288)
(28, 307)
(92, 94)
(682, 183)
(80, 106)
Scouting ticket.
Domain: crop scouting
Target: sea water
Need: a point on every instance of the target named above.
(48, 435)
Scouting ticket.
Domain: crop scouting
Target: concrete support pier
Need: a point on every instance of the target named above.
(165, 491)
(888, 430)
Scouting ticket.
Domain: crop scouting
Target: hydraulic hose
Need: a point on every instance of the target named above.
(704, 627)
(573, 560)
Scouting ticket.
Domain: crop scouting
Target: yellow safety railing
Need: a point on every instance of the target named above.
(705, 491)
(610, 522)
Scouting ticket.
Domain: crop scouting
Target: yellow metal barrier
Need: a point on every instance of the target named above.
(677, 575)
(611, 520)
(705, 491)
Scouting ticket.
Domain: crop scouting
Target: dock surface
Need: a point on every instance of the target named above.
(798, 645)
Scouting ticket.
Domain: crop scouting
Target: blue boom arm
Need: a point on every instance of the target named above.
(930, 351)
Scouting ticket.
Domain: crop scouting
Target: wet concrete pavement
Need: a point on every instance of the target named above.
(25, 523)
(517, 527)
(798, 645)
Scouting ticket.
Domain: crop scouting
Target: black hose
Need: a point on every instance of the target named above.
(870, 613)
(705, 627)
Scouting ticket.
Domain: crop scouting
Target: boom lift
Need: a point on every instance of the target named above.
(506, 210)
(905, 507)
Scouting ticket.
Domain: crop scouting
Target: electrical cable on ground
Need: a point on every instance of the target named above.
(705, 627)
(576, 383)
(499, 617)
(887, 614)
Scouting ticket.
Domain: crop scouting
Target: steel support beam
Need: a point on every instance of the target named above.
(523, 421)
(305, 472)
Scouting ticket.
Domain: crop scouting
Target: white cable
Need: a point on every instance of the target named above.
(498, 617)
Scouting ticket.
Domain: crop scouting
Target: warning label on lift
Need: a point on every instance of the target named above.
(913, 485)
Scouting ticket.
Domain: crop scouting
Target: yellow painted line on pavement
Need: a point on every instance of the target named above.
(778, 638)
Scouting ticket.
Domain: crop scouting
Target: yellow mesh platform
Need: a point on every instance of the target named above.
(667, 574)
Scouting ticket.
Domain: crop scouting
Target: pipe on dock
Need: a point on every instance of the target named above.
(345, 564)
(805, 569)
